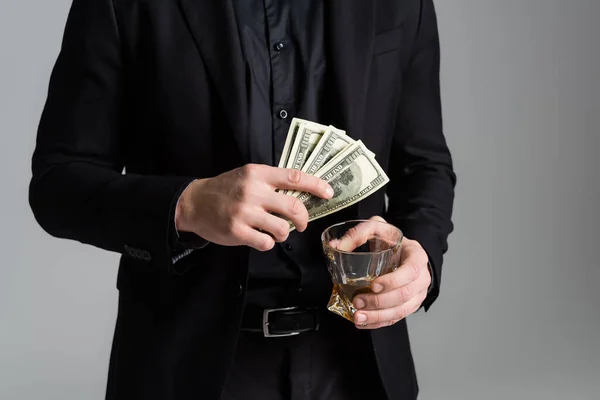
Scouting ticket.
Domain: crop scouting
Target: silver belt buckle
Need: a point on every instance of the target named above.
(266, 322)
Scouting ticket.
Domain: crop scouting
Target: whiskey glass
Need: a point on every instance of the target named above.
(357, 252)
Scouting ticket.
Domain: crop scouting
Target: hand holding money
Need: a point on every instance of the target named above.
(240, 207)
(329, 154)
(321, 171)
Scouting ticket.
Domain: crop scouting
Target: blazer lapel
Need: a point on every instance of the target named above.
(350, 40)
(214, 28)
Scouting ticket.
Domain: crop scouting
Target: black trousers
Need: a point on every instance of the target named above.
(337, 363)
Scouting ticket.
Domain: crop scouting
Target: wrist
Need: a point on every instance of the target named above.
(185, 209)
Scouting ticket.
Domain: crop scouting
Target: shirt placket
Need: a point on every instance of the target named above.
(282, 79)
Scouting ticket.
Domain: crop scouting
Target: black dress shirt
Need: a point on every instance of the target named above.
(283, 47)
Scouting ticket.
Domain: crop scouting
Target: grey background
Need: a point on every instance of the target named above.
(518, 316)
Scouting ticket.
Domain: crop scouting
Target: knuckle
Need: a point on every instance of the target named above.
(296, 206)
(236, 230)
(253, 172)
(246, 171)
(252, 169)
(352, 233)
(374, 318)
(282, 231)
(238, 193)
(242, 192)
(246, 190)
(428, 279)
(230, 217)
(377, 302)
(415, 271)
(404, 294)
(400, 313)
(294, 176)
(236, 211)
(394, 280)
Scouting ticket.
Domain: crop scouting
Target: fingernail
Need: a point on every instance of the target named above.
(359, 303)
(361, 318)
(377, 288)
(329, 191)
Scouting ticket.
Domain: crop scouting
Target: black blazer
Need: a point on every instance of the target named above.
(147, 95)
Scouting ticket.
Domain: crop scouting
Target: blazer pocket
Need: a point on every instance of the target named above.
(388, 41)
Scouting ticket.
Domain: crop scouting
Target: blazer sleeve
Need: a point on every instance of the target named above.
(78, 189)
(422, 180)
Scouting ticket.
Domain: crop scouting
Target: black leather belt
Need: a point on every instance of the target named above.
(280, 322)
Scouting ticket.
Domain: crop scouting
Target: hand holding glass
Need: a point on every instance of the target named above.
(358, 252)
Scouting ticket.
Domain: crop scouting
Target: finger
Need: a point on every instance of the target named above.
(291, 179)
(288, 207)
(249, 236)
(379, 318)
(373, 246)
(386, 235)
(406, 273)
(389, 299)
(373, 317)
(413, 252)
(377, 326)
(355, 236)
(334, 243)
(277, 227)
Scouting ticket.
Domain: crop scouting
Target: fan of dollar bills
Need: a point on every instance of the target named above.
(328, 153)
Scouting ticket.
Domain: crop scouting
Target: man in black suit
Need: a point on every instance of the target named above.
(163, 123)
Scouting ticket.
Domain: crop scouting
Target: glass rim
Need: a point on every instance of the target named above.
(400, 240)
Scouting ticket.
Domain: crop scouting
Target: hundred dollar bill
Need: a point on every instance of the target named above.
(335, 159)
(291, 138)
(307, 138)
(353, 174)
(332, 142)
(343, 154)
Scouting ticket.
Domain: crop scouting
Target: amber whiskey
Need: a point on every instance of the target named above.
(344, 293)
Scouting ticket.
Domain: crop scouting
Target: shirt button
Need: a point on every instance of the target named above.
(289, 247)
(279, 46)
(283, 114)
